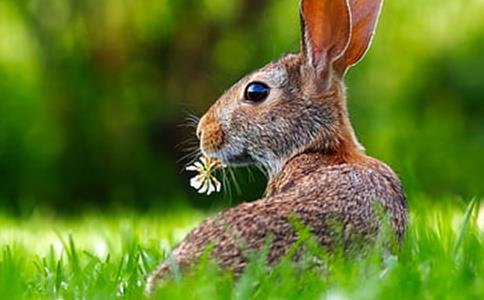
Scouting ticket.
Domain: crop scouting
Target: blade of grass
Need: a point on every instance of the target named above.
(465, 225)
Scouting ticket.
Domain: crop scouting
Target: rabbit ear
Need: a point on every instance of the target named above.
(364, 17)
(326, 30)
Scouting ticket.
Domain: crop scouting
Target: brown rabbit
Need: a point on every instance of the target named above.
(291, 118)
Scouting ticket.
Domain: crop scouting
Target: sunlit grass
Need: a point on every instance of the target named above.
(108, 257)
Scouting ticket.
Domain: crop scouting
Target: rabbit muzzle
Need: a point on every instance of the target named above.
(215, 143)
(210, 134)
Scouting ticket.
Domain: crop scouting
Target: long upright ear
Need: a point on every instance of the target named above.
(364, 17)
(326, 31)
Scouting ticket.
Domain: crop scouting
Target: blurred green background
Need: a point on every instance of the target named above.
(94, 95)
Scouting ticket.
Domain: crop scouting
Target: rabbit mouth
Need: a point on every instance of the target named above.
(241, 159)
(233, 158)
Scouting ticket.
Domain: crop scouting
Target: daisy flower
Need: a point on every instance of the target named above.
(205, 182)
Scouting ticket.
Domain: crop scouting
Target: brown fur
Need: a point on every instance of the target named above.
(213, 134)
(302, 135)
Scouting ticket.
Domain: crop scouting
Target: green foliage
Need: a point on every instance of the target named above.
(92, 93)
(110, 257)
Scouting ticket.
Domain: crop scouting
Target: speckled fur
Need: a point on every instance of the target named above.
(317, 169)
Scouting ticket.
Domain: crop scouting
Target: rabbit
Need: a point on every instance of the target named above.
(291, 117)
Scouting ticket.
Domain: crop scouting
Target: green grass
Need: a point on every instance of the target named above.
(108, 257)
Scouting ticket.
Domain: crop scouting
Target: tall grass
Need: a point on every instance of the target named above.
(441, 258)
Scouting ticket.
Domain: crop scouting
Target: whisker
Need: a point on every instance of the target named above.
(191, 121)
(236, 184)
(190, 145)
(250, 175)
(227, 188)
(195, 153)
(190, 158)
(262, 169)
(187, 146)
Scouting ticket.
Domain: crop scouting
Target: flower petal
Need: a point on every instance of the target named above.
(211, 188)
(217, 184)
(200, 167)
(197, 181)
(191, 168)
(214, 163)
(204, 187)
(205, 161)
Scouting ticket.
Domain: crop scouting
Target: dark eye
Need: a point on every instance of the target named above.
(257, 92)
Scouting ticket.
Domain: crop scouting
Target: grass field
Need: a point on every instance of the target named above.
(108, 257)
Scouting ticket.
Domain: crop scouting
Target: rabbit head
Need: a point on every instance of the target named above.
(297, 103)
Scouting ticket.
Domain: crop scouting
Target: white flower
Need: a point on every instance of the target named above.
(205, 182)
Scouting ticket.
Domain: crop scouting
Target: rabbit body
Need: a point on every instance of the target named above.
(295, 125)
(311, 191)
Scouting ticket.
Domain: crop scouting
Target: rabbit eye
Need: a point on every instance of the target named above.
(257, 92)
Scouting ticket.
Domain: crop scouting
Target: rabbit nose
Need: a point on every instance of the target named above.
(210, 133)
(199, 130)
(202, 123)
